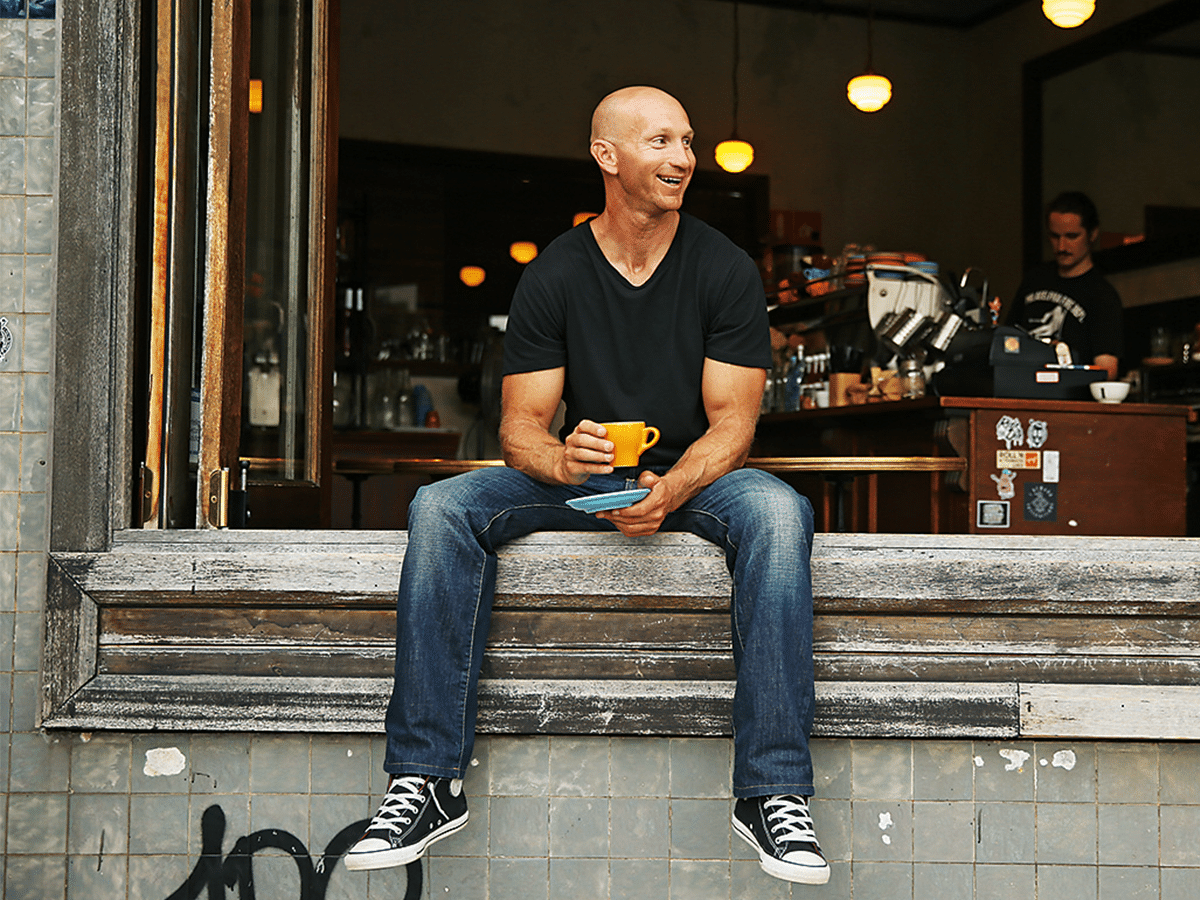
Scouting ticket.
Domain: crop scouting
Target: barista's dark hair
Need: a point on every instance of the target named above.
(1078, 203)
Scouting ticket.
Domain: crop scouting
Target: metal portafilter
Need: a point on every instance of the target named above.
(908, 328)
(945, 329)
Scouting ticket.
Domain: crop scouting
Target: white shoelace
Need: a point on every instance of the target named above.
(402, 802)
(789, 819)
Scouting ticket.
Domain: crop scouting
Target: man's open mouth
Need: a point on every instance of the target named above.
(667, 179)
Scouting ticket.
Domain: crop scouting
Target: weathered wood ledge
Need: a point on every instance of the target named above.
(915, 635)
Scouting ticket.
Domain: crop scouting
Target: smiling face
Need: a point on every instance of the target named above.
(1071, 243)
(643, 141)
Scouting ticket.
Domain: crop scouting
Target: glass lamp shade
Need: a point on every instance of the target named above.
(472, 276)
(869, 92)
(1068, 13)
(523, 251)
(734, 155)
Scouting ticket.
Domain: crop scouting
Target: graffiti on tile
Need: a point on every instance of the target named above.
(214, 872)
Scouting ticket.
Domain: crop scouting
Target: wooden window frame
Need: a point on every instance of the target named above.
(97, 564)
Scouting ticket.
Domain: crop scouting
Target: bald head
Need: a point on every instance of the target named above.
(622, 111)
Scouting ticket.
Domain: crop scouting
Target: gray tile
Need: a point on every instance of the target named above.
(640, 828)
(37, 823)
(41, 119)
(35, 878)
(340, 764)
(882, 770)
(12, 47)
(158, 824)
(1066, 833)
(39, 763)
(39, 224)
(1004, 771)
(1006, 833)
(331, 814)
(35, 349)
(285, 812)
(33, 525)
(95, 876)
(100, 764)
(388, 884)
(701, 767)
(35, 402)
(98, 824)
(630, 878)
(12, 279)
(10, 509)
(39, 277)
(12, 116)
(33, 463)
(1128, 835)
(39, 165)
(452, 876)
(1180, 884)
(275, 876)
(698, 879)
(578, 878)
(520, 766)
(1180, 825)
(578, 767)
(280, 764)
(10, 400)
(831, 818)
(1065, 773)
(700, 829)
(1073, 882)
(883, 830)
(831, 768)
(10, 462)
(42, 50)
(943, 831)
(1128, 883)
(8, 600)
(882, 880)
(944, 881)
(26, 696)
(220, 763)
(943, 770)
(520, 826)
(1180, 772)
(478, 777)
(12, 165)
(747, 881)
(578, 827)
(157, 876)
(31, 581)
(518, 879)
(640, 767)
(1000, 882)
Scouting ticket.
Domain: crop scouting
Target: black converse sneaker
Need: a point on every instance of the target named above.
(416, 811)
(780, 828)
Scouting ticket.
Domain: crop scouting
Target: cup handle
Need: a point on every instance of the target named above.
(651, 441)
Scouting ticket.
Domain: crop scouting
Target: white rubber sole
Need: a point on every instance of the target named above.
(400, 856)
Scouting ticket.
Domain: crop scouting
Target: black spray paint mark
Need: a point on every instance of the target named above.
(213, 874)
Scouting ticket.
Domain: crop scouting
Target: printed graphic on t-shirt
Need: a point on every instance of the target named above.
(1048, 324)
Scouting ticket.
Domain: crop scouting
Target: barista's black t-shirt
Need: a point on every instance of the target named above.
(637, 353)
(1084, 312)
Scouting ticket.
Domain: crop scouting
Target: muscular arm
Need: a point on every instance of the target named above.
(529, 402)
(732, 397)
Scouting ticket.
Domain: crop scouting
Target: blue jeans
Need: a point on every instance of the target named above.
(445, 601)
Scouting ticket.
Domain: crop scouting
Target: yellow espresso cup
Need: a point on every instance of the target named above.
(630, 440)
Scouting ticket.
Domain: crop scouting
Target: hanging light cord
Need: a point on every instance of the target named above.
(870, 37)
(737, 44)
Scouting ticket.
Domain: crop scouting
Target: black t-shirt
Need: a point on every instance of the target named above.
(637, 353)
(1084, 312)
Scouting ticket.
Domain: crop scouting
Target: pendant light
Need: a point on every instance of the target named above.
(869, 91)
(1068, 13)
(734, 155)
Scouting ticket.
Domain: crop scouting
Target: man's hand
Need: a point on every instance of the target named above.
(646, 516)
(585, 453)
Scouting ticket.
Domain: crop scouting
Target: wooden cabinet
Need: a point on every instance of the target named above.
(1034, 466)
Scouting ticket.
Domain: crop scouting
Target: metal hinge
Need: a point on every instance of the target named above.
(218, 498)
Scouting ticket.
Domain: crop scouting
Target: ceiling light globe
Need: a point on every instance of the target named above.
(869, 92)
(523, 251)
(734, 155)
(1068, 13)
(472, 276)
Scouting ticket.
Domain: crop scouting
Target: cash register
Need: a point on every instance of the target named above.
(1008, 362)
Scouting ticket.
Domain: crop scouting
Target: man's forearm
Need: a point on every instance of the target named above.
(720, 450)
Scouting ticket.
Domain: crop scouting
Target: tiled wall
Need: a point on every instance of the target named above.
(127, 816)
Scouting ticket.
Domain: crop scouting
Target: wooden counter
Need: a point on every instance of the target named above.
(1033, 466)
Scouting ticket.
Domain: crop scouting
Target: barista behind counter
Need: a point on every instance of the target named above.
(1069, 300)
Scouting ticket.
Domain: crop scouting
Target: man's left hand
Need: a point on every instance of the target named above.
(646, 516)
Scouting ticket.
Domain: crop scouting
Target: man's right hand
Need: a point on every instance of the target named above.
(586, 453)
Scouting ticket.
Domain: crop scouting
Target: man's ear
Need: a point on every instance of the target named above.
(605, 155)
